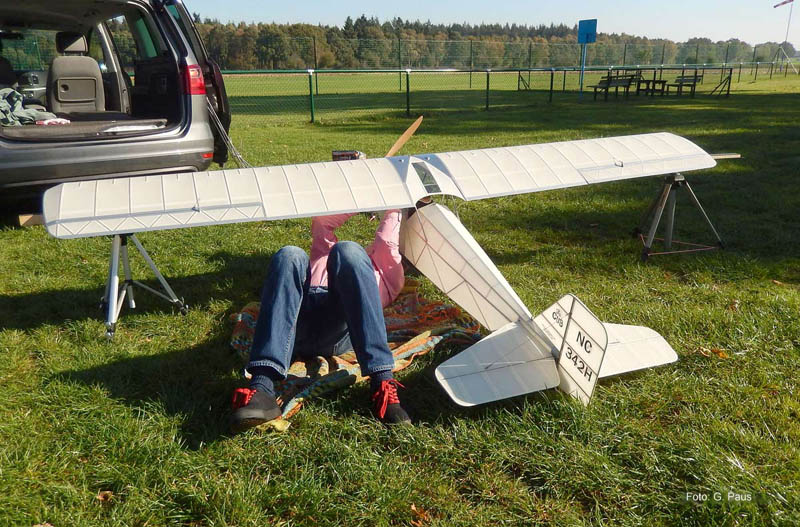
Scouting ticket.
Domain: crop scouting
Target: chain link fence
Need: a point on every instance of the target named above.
(281, 52)
(334, 94)
(470, 75)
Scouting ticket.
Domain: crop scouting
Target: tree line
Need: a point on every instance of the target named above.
(368, 43)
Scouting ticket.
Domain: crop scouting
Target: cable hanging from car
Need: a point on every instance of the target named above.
(226, 138)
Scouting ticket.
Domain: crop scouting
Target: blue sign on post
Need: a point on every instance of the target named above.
(587, 33)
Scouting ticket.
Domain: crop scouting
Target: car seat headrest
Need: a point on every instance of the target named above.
(70, 42)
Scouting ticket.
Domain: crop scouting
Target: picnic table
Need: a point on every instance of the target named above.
(616, 82)
(686, 80)
(651, 86)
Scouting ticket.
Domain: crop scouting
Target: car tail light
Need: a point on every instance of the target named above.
(208, 155)
(193, 82)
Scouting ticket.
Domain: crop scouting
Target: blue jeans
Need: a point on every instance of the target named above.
(297, 320)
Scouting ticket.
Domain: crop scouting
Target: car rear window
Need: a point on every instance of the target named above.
(34, 51)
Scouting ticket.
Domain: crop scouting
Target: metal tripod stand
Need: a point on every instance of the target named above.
(115, 294)
(666, 200)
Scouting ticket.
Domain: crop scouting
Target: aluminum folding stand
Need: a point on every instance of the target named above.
(115, 293)
(665, 200)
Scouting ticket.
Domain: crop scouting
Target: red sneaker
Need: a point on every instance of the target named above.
(252, 408)
(387, 407)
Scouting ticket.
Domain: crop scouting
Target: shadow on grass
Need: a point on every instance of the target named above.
(461, 100)
(195, 384)
(243, 276)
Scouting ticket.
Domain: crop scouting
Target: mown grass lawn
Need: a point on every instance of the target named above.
(141, 421)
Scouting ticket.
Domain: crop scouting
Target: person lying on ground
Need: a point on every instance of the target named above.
(326, 305)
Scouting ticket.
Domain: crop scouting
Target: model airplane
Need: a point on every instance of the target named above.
(566, 346)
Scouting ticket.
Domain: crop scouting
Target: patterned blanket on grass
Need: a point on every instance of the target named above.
(414, 326)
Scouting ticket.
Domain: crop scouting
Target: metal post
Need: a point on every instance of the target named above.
(471, 64)
(703, 212)
(624, 53)
(316, 66)
(657, 212)
(172, 296)
(530, 62)
(730, 81)
(740, 73)
(754, 59)
(408, 92)
(488, 72)
(564, 82)
(670, 220)
(399, 64)
(552, 75)
(112, 286)
(126, 268)
(663, 52)
(697, 54)
(311, 92)
(583, 67)
(756, 77)
(771, 68)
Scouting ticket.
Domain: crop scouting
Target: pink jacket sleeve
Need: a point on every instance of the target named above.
(386, 258)
(384, 252)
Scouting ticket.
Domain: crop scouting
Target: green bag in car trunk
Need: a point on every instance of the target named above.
(12, 112)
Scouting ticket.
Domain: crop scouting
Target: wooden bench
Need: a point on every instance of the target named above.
(614, 81)
(686, 80)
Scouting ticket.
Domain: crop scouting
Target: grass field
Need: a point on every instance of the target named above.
(133, 432)
(336, 95)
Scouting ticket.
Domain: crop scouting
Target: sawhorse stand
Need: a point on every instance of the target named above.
(115, 294)
(666, 200)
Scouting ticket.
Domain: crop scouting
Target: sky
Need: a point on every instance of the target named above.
(753, 21)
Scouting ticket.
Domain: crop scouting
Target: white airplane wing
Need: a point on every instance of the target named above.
(503, 171)
(171, 201)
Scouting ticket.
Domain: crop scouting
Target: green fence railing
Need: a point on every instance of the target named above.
(314, 94)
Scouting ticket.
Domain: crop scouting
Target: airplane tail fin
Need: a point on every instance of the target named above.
(579, 340)
(562, 347)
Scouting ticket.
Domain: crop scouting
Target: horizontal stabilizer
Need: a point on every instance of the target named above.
(507, 363)
(632, 348)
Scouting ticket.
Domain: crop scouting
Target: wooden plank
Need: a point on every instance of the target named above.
(29, 220)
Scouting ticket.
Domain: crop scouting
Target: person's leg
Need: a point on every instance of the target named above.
(281, 298)
(351, 280)
(273, 341)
